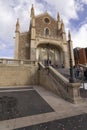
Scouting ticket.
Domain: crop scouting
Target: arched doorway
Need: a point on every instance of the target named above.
(48, 51)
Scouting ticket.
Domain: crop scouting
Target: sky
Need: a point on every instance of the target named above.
(72, 12)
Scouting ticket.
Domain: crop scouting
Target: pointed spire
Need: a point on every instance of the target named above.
(17, 25)
(17, 22)
(32, 11)
(69, 35)
(62, 26)
(58, 17)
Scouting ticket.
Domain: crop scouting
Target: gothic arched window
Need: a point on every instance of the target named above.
(46, 31)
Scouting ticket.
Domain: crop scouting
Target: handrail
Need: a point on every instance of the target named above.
(59, 78)
(57, 74)
(81, 65)
(41, 65)
(63, 80)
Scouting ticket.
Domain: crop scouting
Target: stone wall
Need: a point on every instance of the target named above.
(24, 46)
(16, 75)
(41, 25)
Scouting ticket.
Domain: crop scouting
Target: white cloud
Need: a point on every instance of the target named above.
(79, 6)
(10, 10)
(67, 9)
(80, 37)
(84, 1)
(2, 46)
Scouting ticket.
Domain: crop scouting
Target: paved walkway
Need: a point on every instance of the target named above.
(62, 109)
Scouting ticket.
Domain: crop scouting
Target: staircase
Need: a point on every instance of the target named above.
(52, 80)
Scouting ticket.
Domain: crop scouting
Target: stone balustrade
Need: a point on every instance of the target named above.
(18, 73)
(57, 83)
(16, 62)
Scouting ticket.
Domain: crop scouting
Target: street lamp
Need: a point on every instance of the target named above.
(71, 79)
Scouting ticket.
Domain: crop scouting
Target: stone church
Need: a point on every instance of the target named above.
(45, 39)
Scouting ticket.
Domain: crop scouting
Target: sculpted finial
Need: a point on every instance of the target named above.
(32, 11)
(58, 17)
(17, 25)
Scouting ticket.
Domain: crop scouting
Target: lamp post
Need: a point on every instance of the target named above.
(71, 79)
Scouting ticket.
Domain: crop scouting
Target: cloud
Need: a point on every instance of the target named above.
(2, 46)
(84, 1)
(67, 9)
(80, 37)
(10, 10)
(71, 10)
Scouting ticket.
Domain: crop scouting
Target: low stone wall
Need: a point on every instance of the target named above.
(16, 75)
(22, 73)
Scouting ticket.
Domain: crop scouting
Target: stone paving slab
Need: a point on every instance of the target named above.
(62, 109)
(15, 104)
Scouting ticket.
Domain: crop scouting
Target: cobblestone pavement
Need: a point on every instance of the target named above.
(17, 104)
(73, 123)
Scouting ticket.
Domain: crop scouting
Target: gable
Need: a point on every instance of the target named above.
(45, 15)
(44, 21)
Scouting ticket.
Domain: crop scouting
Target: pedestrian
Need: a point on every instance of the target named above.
(62, 65)
(85, 74)
(81, 73)
(76, 72)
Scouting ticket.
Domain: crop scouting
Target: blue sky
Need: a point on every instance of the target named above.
(73, 13)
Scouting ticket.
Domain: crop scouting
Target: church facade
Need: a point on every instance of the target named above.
(45, 40)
